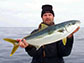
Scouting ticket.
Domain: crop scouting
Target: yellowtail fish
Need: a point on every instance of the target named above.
(48, 34)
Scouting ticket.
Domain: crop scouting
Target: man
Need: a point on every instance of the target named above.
(51, 53)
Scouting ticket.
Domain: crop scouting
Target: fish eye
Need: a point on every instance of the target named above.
(73, 23)
(69, 24)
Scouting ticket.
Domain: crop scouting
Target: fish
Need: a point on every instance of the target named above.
(47, 34)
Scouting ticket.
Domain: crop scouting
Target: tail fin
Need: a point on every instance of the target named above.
(14, 42)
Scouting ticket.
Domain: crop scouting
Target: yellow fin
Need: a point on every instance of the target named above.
(43, 26)
(14, 49)
(64, 41)
(14, 42)
(10, 40)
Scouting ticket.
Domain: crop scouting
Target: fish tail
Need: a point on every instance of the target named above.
(14, 42)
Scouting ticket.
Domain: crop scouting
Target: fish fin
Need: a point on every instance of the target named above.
(61, 30)
(43, 26)
(14, 49)
(37, 46)
(64, 41)
(14, 42)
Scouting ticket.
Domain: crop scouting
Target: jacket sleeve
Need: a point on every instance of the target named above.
(31, 50)
(65, 50)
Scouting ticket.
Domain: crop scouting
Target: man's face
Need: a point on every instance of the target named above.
(48, 18)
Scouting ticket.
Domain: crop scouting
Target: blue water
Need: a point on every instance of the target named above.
(76, 56)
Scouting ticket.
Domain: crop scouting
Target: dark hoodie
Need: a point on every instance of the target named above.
(51, 53)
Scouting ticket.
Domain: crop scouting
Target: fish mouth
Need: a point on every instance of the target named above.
(78, 21)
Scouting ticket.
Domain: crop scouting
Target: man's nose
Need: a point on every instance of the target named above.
(47, 16)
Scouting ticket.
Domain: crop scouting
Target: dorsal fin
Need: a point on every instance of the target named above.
(43, 26)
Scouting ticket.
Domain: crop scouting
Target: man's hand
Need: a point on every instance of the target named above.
(22, 43)
(73, 32)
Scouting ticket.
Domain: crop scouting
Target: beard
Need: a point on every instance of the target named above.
(47, 19)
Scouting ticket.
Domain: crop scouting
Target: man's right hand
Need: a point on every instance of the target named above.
(22, 43)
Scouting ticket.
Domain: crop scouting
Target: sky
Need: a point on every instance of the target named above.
(27, 13)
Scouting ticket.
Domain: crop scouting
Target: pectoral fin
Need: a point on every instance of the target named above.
(61, 30)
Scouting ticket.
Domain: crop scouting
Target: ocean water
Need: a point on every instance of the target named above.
(76, 56)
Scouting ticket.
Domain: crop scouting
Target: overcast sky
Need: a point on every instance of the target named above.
(27, 13)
